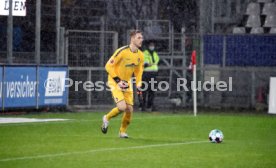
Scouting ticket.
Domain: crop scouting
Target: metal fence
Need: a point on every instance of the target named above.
(31, 34)
(248, 59)
(87, 52)
(85, 98)
(249, 87)
(89, 48)
(159, 31)
(87, 55)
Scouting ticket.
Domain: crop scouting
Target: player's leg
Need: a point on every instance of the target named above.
(127, 114)
(126, 121)
(121, 106)
(119, 99)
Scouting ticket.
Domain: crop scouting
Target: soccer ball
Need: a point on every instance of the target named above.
(216, 136)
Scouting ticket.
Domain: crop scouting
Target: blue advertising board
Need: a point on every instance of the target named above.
(19, 86)
(240, 50)
(52, 86)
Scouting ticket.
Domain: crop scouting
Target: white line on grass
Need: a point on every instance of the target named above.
(85, 120)
(99, 150)
(134, 118)
(10, 120)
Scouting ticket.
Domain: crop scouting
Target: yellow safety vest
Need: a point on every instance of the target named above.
(152, 60)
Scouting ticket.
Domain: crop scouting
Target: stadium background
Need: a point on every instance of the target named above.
(233, 39)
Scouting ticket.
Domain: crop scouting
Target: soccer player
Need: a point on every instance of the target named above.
(125, 62)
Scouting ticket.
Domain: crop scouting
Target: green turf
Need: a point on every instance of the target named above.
(157, 140)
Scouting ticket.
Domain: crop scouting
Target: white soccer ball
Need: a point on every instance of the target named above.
(216, 136)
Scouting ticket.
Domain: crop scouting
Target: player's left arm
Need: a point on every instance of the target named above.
(138, 72)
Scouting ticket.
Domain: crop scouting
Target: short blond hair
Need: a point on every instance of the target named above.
(134, 32)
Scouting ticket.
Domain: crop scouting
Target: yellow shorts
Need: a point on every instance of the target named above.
(119, 95)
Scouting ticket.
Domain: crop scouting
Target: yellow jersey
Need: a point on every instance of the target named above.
(124, 63)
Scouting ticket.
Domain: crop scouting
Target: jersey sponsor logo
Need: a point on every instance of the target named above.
(131, 65)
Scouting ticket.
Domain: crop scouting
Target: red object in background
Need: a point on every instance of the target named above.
(193, 57)
(261, 95)
(193, 60)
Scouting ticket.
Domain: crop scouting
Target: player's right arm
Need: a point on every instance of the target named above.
(110, 68)
(111, 64)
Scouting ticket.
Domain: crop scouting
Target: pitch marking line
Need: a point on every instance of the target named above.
(81, 120)
(10, 120)
(100, 150)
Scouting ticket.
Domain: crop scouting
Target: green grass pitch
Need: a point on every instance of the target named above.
(157, 140)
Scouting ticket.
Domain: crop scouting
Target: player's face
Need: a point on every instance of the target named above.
(138, 40)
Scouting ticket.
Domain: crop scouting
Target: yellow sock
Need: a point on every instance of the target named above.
(125, 121)
(113, 113)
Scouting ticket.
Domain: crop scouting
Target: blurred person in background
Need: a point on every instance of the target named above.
(151, 60)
